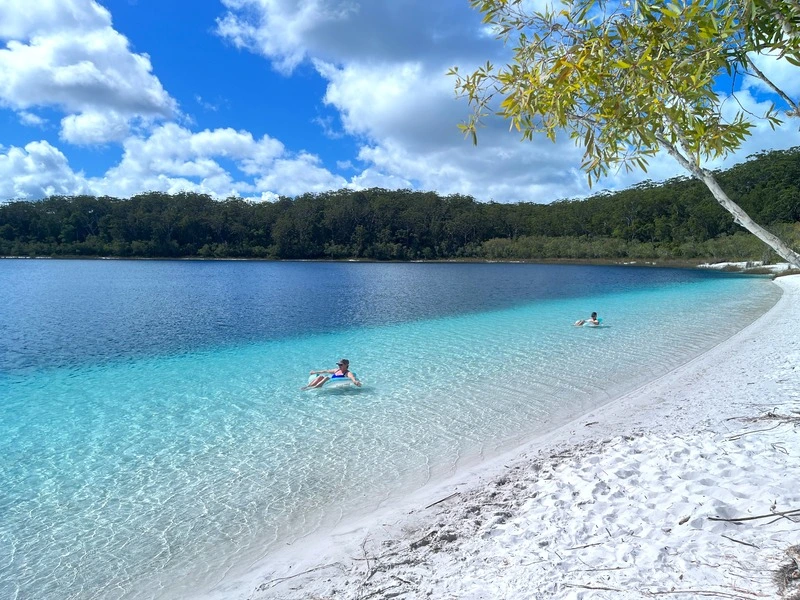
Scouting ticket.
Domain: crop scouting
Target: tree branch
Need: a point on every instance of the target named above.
(794, 109)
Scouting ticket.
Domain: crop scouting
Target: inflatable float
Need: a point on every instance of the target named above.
(334, 383)
(590, 324)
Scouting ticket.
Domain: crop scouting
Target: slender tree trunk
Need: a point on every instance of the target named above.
(739, 216)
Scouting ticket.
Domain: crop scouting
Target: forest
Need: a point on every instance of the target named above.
(674, 220)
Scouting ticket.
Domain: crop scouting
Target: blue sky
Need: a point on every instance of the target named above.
(263, 98)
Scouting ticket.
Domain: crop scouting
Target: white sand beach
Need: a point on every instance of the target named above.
(688, 487)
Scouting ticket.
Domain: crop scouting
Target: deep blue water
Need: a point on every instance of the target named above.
(152, 431)
(66, 313)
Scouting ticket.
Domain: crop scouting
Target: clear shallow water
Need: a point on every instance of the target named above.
(152, 435)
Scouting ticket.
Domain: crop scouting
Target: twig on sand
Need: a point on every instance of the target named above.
(274, 582)
(784, 513)
(739, 541)
(369, 558)
(780, 448)
(593, 587)
(791, 518)
(384, 592)
(533, 562)
(375, 566)
(584, 546)
(769, 414)
(442, 500)
(713, 593)
(741, 435)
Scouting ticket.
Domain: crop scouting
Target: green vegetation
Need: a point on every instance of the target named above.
(675, 220)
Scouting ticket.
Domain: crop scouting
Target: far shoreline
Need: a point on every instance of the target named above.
(741, 267)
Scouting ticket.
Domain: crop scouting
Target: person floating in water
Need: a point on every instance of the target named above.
(326, 375)
(593, 320)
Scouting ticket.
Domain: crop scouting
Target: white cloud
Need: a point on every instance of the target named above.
(94, 128)
(279, 28)
(224, 162)
(399, 101)
(219, 162)
(205, 104)
(173, 158)
(37, 170)
(65, 54)
(373, 178)
(344, 31)
(29, 118)
(23, 19)
(408, 116)
(298, 175)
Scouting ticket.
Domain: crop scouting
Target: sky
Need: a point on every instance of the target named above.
(265, 98)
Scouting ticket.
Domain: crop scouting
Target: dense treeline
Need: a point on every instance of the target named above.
(675, 220)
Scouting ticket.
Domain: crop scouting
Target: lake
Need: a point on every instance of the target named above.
(153, 435)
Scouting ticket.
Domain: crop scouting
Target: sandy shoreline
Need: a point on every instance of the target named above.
(641, 498)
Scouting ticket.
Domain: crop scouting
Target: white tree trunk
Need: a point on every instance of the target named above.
(739, 216)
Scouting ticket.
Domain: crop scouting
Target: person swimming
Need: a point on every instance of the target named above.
(323, 376)
(593, 320)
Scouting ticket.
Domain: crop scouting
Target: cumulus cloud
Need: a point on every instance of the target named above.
(407, 115)
(23, 19)
(343, 31)
(299, 175)
(279, 28)
(32, 119)
(94, 127)
(399, 101)
(219, 162)
(37, 170)
(66, 54)
(173, 158)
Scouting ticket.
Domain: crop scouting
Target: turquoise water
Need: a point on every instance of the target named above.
(149, 457)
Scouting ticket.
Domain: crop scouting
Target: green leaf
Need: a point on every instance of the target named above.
(673, 10)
